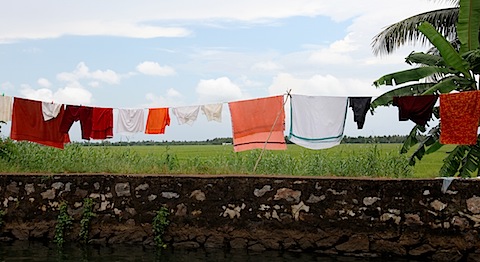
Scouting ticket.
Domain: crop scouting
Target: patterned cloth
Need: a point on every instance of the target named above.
(460, 113)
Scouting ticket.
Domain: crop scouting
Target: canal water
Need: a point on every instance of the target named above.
(36, 251)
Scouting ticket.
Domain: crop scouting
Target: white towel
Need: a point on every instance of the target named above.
(317, 122)
(213, 112)
(130, 121)
(186, 114)
(6, 106)
(50, 110)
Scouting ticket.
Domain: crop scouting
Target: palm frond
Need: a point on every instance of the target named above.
(406, 32)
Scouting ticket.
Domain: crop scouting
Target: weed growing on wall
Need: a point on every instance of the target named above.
(159, 224)
(2, 214)
(85, 222)
(64, 223)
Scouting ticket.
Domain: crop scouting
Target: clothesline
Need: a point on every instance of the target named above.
(317, 122)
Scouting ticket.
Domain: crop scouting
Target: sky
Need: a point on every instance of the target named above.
(157, 53)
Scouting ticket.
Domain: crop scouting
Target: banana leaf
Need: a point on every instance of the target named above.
(409, 75)
(424, 59)
(468, 25)
(451, 57)
(386, 98)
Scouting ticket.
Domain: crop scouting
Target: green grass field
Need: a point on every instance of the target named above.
(357, 160)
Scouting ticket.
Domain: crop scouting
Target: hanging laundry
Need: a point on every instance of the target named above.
(416, 108)
(317, 122)
(28, 124)
(78, 113)
(213, 112)
(130, 121)
(157, 120)
(6, 106)
(256, 121)
(102, 123)
(460, 114)
(360, 106)
(50, 110)
(186, 114)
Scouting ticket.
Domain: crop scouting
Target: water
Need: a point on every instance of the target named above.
(36, 251)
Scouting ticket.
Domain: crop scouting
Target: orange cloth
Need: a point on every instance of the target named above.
(28, 124)
(460, 113)
(252, 121)
(102, 123)
(157, 120)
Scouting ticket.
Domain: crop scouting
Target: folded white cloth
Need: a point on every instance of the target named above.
(213, 112)
(130, 121)
(50, 110)
(317, 122)
(6, 106)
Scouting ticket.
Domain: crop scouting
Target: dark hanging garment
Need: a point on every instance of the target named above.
(419, 109)
(360, 106)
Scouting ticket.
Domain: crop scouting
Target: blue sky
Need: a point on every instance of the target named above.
(123, 54)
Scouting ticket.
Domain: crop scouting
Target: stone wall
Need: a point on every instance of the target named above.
(421, 219)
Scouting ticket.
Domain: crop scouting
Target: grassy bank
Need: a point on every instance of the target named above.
(357, 160)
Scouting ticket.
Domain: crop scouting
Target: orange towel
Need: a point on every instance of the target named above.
(252, 122)
(157, 120)
(28, 124)
(460, 113)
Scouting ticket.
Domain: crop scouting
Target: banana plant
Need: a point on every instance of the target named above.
(439, 72)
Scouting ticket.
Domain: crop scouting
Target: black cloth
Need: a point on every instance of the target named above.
(360, 106)
(419, 109)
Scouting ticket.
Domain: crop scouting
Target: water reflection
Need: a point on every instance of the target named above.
(37, 251)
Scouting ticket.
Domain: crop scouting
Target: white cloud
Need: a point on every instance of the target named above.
(43, 82)
(266, 66)
(170, 99)
(67, 95)
(321, 85)
(153, 68)
(6, 86)
(73, 95)
(218, 90)
(153, 18)
(42, 94)
(83, 72)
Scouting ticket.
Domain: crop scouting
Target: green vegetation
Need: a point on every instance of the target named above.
(358, 160)
(87, 216)
(159, 224)
(452, 65)
(64, 223)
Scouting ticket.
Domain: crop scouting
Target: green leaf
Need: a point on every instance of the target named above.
(430, 140)
(452, 162)
(448, 84)
(468, 25)
(410, 141)
(414, 74)
(470, 162)
(451, 57)
(433, 148)
(424, 59)
(386, 98)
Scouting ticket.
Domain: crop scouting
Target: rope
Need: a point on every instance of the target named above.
(271, 131)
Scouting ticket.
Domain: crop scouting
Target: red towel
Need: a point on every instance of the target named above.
(460, 113)
(28, 124)
(252, 122)
(102, 123)
(416, 108)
